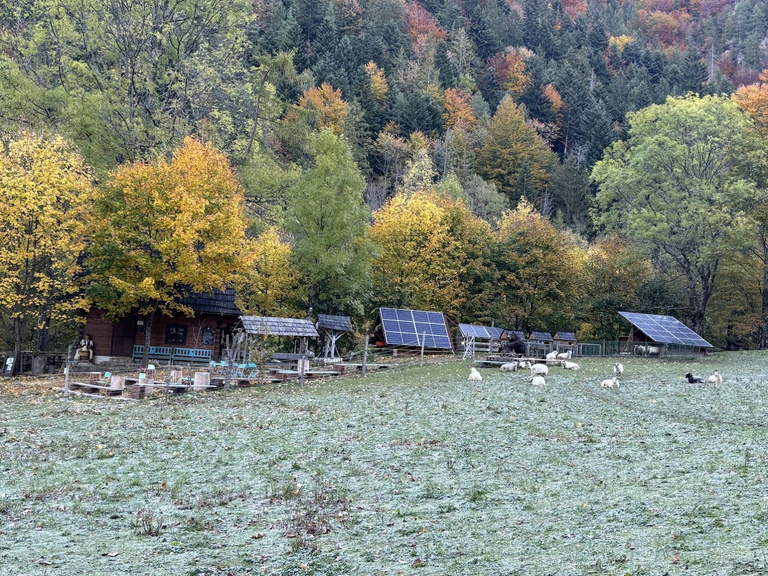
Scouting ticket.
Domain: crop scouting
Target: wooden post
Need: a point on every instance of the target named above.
(365, 355)
(66, 386)
(423, 338)
(202, 380)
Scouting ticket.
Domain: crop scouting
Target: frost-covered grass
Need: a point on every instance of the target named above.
(415, 471)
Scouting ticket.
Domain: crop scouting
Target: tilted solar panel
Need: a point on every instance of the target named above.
(475, 330)
(665, 329)
(404, 327)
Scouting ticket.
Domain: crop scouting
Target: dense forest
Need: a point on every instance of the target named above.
(492, 159)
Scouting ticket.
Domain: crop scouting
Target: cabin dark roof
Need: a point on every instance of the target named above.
(272, 326)
(541, 336)
(215, 302)
(566, 336)
(519, 333)
(340, 323)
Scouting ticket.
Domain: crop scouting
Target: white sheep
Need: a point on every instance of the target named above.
(475, 375)
(524, 364)
(618, 369)
(610, 383)
(716, 378)
(509, 367)
(569, 365)
(650, 350)
(551, 356)
(538, 381)
(539, 370)
(564, 355)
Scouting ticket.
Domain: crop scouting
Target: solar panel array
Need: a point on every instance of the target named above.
(405, 328)
(340, 323)
(484, 332)
(278, 326)
(665, 329)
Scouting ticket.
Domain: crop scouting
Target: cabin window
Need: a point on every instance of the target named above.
(207, 336)
(175, 334)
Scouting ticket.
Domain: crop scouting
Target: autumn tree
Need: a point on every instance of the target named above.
(269, 284)
(427, 247)
(753, 99)
(513, 157)
(45, 190)
(615, 271)
(679, 187)
(328, 219)
(538, 270)
(160, 231)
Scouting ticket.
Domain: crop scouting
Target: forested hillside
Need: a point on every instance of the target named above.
(478, 117)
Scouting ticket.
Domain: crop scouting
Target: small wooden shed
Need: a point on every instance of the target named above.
(539, 343)
(331, 328)
(564, 341)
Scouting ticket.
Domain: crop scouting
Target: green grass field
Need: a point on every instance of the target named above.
(413, 471)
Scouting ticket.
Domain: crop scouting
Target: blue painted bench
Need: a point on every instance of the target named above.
(155, 352)
(194, 355)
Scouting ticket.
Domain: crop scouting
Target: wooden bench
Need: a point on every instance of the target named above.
(192, 355)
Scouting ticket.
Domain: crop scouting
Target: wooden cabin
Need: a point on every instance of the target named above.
(177, 338)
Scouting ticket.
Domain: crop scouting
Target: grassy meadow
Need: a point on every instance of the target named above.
(413, 471)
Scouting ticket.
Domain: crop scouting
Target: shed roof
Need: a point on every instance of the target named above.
(566, 336)
(340, 323)
(278, 326)
(542, 336)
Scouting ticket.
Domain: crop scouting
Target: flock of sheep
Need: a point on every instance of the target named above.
(540, 370)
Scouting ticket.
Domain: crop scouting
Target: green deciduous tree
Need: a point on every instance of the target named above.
(163, 230)
(45, 191)
(539, 270)
(328, 219)
(679, 186)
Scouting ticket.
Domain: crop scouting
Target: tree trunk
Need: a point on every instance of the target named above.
(18, 335)
(148, 319)
(763, 343)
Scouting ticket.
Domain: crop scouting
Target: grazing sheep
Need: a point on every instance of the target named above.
(716, 378)
(694, 379)
(538, 381)
(618, 369)
(539, 370)
(650, 350)
(524, 364)
(475, 375)
(569, 365)
(509, 367)
(610, 383)
(564, 355)
(551, 356)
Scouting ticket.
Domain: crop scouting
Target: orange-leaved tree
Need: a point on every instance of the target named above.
(45, 190)
(160, 231)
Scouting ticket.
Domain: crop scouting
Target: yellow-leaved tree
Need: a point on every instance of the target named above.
(270, 281)
(163, 230)
(45, 190)
(430, 247)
